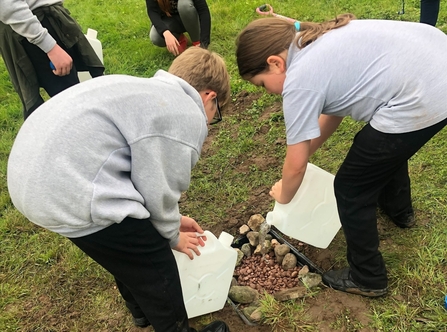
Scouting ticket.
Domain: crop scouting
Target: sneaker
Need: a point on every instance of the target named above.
(404, 220)
(183, 41)
(341, 280)
(140, 322)
(216, 326)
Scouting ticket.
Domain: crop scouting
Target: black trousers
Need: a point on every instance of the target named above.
(429, 11)
(376, 167)
(145, 271)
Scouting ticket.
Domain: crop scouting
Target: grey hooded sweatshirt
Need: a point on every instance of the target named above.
(109, 148)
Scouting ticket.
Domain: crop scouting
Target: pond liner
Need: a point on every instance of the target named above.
(301, 258)
(276, 234)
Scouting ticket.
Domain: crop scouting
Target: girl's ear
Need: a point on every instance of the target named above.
(276, 64)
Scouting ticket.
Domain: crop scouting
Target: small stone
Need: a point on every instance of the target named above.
(291, 293)
(253, 238)
(304, 270)
(240, 255)
(282, 250)
(248, 311)
(242, 294)
(311, 279)
(255, 222)
(244, 229)
(279, 259)
(261, 251)
(289, 261)
(256, 315)
(246, 249)
(274, 243)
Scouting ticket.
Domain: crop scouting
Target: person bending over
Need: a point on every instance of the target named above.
(104, 164)
(373, 71)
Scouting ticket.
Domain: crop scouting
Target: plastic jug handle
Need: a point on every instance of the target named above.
(93, 34)
(226, 239)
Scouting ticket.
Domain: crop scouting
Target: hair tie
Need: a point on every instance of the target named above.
(297, 25)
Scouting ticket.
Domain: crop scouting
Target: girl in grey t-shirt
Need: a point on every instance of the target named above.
(373, 71)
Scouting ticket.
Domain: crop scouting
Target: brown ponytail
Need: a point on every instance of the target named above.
(271, 36)
(310, 31)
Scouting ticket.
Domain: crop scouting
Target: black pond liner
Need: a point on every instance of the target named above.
(301, 258)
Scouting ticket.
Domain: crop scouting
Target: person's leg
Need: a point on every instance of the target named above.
(27, 112)
(175, 26)
(370, 165)
(52, 84)
(395, 199)
(429, 11)
(190, 18)
(139, 319)
(142, 261)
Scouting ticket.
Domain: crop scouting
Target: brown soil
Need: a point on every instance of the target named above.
(328, 310)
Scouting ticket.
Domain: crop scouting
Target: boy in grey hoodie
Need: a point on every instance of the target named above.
(104, 163)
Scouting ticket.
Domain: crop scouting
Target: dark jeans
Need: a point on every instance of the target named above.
(429, 11)
(145, 271)
(376, 167)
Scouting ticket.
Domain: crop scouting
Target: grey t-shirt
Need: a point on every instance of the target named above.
(391, 74)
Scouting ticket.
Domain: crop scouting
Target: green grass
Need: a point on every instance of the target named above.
(41, 273)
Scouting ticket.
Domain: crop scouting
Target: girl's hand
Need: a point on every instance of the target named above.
(172, 43)
(276, 190)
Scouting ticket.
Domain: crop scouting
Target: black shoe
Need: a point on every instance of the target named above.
(404, 220)
(140, 322)
(341, 280)
(217, 326)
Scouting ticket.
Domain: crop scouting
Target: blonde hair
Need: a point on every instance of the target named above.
(203, 69)
(271, 36)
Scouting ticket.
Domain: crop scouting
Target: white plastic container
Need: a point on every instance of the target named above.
(312, 215)
(97, 46)
(206, 279)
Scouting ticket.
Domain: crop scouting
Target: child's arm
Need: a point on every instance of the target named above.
(328, 124)
(293, 171)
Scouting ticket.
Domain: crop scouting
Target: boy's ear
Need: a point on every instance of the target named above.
(207, 95)
(276, 64)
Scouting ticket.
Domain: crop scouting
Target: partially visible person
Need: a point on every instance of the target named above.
(170, 20)
(429, 11)
(34, 33)
(374, 71)
(104, 164)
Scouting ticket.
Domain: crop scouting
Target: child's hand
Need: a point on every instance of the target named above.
(61, 61)
(172, 43)
(275, 192)
(190, 238)
(188, 242)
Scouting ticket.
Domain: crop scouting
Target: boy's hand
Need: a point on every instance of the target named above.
(189, 239)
